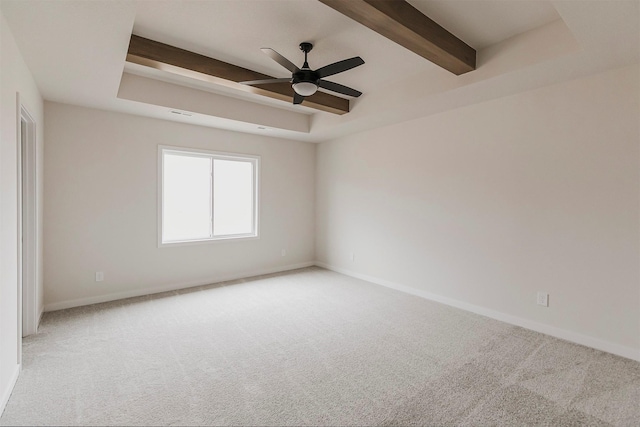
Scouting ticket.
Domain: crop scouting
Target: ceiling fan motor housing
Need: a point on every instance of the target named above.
(305, 75)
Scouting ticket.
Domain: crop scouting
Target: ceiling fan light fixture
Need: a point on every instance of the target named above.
(305, 88)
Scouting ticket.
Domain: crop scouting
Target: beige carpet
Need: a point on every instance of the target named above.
(310, 347)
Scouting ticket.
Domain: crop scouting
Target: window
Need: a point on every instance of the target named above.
(206, 195)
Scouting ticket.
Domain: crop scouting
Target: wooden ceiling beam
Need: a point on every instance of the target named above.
(397, 20)
(185, 63)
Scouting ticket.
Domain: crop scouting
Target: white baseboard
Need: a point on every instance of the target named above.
(6, 394)
(40, 318)
(598, 344)
(61, 305)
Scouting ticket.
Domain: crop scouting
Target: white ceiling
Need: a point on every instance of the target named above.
(483, 23)
(76, 51)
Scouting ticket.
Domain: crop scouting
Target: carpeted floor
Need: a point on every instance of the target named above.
(309, 347)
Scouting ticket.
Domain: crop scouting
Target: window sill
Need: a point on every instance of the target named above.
(208, 241)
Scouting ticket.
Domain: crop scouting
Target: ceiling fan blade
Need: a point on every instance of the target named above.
(297, 99)
(267, 81)
(280, 59)
(338, 67)
(336, 87)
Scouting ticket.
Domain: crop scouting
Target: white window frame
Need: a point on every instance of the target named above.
(214, 155)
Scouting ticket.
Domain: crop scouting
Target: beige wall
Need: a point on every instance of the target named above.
(14, 78)
(101, 207)
(488, 204)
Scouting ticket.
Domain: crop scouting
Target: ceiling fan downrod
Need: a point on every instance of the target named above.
(306, 48)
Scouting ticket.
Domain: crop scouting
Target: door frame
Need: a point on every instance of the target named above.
(28, 317)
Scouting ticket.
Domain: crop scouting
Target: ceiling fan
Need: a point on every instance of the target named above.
(305, 81)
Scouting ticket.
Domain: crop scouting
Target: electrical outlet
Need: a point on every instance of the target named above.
(543, 299)
(283, 252)
(99, 276)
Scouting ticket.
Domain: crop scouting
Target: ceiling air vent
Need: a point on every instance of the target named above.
(182, 113)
